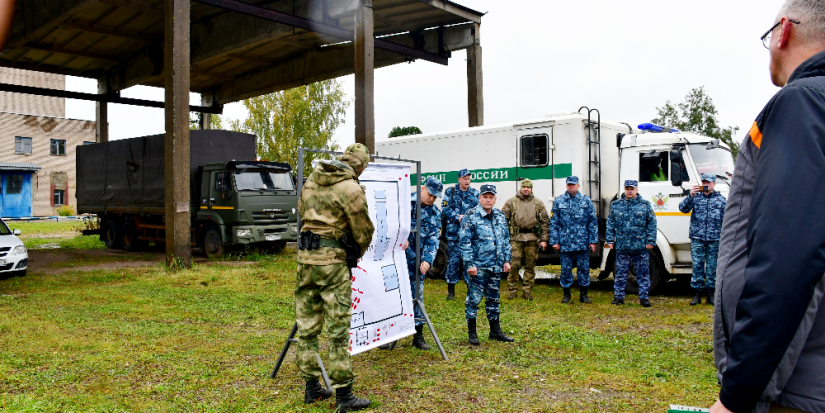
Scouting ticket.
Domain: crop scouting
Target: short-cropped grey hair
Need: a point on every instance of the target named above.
(811, 14)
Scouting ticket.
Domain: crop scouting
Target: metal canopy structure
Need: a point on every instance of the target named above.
(229, 50)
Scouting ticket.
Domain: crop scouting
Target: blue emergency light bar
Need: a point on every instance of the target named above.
(656, 128)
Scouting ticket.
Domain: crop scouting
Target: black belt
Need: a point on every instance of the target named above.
(525, 231)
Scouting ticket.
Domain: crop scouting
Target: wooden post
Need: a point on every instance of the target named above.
(102, 114)
(206, 118)
(176, 144)
(475, 89)
(364, 78)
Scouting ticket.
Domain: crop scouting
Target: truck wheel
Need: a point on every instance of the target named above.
(212, 243)
(129, 238)
(111, 235)
(657, 269)
(439, 267)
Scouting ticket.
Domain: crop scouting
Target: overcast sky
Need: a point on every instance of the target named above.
(624, 58)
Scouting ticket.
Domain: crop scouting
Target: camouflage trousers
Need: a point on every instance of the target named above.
(641, 262)
(323, 295)
(485, 283)
(455, 266)
(703, 255)
(525, 255)
(581, 261)
(419, 315)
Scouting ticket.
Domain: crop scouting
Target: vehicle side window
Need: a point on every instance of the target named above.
(534, 150)
(653, 166)
(221, 181)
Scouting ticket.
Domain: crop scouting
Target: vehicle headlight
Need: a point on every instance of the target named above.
(244, 232)
(293, 227)
(18, 250)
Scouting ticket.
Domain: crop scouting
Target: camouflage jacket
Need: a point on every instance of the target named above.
(708, 212)
(631, 224)
(484, 239)
(574, 225)
(332, 203)
(457, 202)
(527, 212)
(430, 230)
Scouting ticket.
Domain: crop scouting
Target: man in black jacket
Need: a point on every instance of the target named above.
(769, 329)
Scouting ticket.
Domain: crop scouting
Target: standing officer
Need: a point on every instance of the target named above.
(705, 228)
(457, 200)
(574, 230)
(485, 248)
(430, 229)
(631, 228)
(529, 223)
(336, 230)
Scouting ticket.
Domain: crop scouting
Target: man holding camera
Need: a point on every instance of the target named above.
(336, 230)
(708, 208)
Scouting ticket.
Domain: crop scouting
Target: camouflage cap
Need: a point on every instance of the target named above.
(491, 189)
(464, 172)
(631, 182)
(356, 153)
(709, 177)
(434, 186)
(526, 182)
(572, 179)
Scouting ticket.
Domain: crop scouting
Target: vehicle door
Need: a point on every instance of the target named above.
(655, 175)
(535, 161)
(221, 195)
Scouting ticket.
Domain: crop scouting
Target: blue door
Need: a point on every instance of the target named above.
(16, 198)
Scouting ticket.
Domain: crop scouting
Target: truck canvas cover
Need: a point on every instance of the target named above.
(130, 171)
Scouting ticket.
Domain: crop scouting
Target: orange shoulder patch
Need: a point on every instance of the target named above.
(756, 135)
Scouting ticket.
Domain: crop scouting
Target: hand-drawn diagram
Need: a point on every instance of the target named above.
(381, 240)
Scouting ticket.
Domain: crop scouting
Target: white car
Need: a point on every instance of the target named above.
(13, 255)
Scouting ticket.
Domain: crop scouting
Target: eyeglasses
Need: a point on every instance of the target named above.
(766, 38)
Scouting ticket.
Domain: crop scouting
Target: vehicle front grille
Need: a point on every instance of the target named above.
(273, 230)
(6, 267)
(4, 251)
(270, 217)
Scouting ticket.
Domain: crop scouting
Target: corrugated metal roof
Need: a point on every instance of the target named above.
(8, 166)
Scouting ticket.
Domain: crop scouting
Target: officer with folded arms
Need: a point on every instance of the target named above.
(528, 224)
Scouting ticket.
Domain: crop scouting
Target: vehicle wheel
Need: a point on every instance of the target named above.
(111, 235)
(212, 243)
(129, 238)
(657, 269)
(439, 267)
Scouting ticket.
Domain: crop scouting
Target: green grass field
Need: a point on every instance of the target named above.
(206, 339)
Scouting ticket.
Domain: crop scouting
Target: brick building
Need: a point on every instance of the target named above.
(37, 147)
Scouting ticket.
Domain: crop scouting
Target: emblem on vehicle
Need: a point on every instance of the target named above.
(272, 215)
(659, 202)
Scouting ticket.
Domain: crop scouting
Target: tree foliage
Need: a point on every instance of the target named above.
(406, 130)
(697, 114)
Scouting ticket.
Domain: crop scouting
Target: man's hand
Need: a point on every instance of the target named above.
(608, 246)
(593, 247)
(648, 246)
(506, 267)
(543, 245)
(459, 218)
(425, 266)
(556, 246)
(406, 244)
(695, 190)
(718, 407)
(472, 271)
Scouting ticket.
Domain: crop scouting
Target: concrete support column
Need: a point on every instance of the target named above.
(102, 114)
(475, 89)
(176, 144)
(364, 77)
(206, 118)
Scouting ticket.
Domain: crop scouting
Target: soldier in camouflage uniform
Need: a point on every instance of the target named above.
(631, 229)
(708, 208)
(485, 248)
(528, 224)
(574, 231)
(332, 203)
(456, 202)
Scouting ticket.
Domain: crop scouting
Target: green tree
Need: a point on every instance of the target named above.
(284, 121)
(406, 130)
(697, 114)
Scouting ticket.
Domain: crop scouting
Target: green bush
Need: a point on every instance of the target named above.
(65, 211)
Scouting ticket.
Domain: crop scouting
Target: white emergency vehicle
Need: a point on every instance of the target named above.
(666, 162)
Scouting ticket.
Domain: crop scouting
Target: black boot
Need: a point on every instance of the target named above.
(418, 338)
(450, 291)
(314, 392)
(711, 294)
(644, 302)
(345, 401)
(566, 298)
(472, 337)
(697, 297)
(497, 334)
(617, 301)
(583, 296)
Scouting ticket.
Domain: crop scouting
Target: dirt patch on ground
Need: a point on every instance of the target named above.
(49, 261)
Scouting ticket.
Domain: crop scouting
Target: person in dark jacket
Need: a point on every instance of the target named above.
(708, 208)
(769, 326)
(456, 202)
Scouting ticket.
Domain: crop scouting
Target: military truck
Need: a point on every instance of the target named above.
(235, 199)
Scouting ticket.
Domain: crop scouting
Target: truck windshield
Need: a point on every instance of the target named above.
(4, 230)
(263, 181)
(717, 161)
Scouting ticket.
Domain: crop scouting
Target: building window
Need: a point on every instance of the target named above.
(59, 197)
(534, 150)
(58, 147)
(88, 143)
(22, 146)
(14, 184)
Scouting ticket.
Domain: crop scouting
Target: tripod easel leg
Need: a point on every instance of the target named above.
(289, 341)
(420, 304)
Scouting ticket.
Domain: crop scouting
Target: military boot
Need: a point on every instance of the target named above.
(497, 334)
(526, 295)
(711, 295)
(512, 295)
(697, 297)
(566, 298)
(617, 301)
(471, 332)
(418, 338)
(345, 401)
(450, 291)
(644, 302)
(583, 296)
(314, 392)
